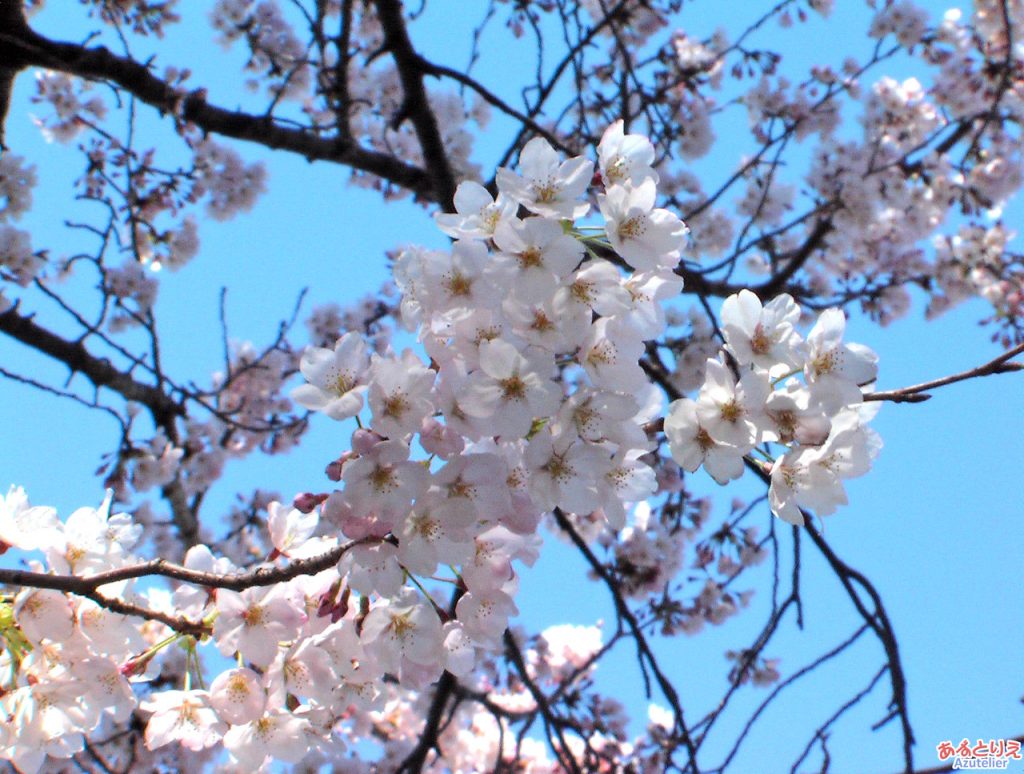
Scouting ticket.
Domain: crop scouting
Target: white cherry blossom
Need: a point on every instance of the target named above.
(833, 363)
(336, 379)
(764, 336)
(255, 621)
(564, 472)
(691, 444)
(238, 695)
(732, 411)
(404, 628)
(478, 214)
(185, 717)
(625, 157)
(485, 614)
(510, 389)
(646, 237)
(545, 184)
(536, 255)
(278, 734)
(399, 394)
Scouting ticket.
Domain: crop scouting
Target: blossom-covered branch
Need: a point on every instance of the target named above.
(604, 323)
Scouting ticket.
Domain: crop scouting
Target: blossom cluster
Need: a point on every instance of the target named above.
(534, 399)
(751, 398)
(71, 664)
(17, 260)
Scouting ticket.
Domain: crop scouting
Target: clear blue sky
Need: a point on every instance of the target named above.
(936, 524)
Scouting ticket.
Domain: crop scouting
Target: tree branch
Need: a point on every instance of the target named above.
(447, 687)
(443, 690)
(643, 648)
(410, 70)
(554, 725)
(21, 47)
(917, 393)
(84, 585)
(163, 409)
(99, 371)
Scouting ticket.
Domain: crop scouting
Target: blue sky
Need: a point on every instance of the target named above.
(936, 524)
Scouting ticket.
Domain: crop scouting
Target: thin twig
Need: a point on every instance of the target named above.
(917, 393)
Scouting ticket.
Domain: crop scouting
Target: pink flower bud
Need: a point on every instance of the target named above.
(333, 470)
(136, 666)
(364, 440)
(307, 501)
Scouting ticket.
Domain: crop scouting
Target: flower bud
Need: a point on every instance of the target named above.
(307, 501)
(364, 440)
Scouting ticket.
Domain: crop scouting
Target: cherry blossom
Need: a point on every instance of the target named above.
(478, 213)
(543, 343)
(254, 622)
(762, 335)
(547, 185)
(336, 379)
(510, 389)
(185, 717)
(625, 157)
(646, 237)
(238, 696)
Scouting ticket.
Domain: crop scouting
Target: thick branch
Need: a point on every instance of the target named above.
(262, 576)
(100, 372)
(443, 690)
(410, 70)
(183, 625)
(777, 284)
(22, 47)
(163, 409)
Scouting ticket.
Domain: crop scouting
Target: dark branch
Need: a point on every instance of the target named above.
(917, 393)
(416, 105)
(21, 47)
(261, 576)
(100, 372)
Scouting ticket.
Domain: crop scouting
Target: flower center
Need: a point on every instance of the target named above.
(427, 528)
(343, 383)
(513, 388)
(704, 441)
(582, 291)
(785, 422)
(616, 171)
(401, 626)
(559, 469)
(382, 479)
(731, 411)
(395, 405)
(238, 688)
(824, 363)
(545, 192)
(602, 354)
(458, 284)
(541, 322)
(760, 344)
(633, 228)
(254, 616)
(530, 258)
(460, 488)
